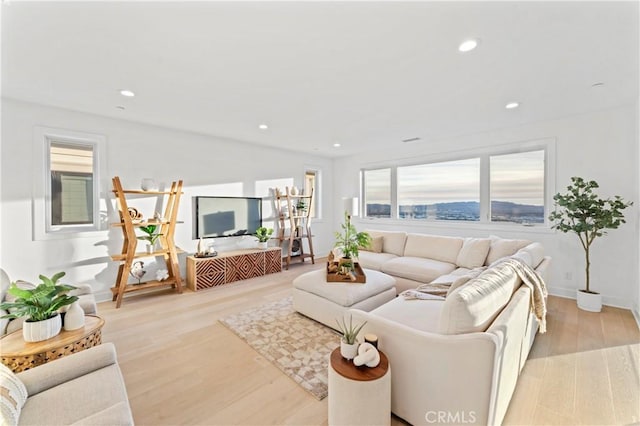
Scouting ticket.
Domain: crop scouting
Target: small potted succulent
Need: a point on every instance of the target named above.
(263, 234)
(348, 342)
(151, 236)
(583, 212)
(40, 307)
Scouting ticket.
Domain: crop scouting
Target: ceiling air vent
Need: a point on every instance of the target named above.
(410, 140)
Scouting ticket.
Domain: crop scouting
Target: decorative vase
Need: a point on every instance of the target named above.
(148, 184)
(38, 331)
(200, 248)
(293, 191)
(348, 351)
(262, 245)
(149, 248)
(74, 318)
(591, 302)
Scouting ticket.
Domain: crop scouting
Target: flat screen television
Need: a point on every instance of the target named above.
(227, 216)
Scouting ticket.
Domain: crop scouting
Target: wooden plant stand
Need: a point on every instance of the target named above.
(166, 227)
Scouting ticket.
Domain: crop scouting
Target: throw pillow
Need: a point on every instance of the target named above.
(376, 245)
(501, 247)
(473, 253)
(13, 395)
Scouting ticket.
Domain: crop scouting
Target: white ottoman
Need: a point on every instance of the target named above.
(359, 395)
(326, 302)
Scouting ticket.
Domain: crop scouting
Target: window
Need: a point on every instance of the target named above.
(312, 183)
(71, 184)
(517, 187)
(377, 193)
(442, 191)
(504, 184)
(67, 195)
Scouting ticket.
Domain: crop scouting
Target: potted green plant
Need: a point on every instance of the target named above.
(151, 236)
(349, 241)
(40, 307)
(349, 342)
(583, 212)
(301, 206)
(263, 234)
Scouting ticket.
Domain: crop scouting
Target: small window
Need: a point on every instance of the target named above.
(377, 192)
(312, 183)
(72, 197)
(517, 187)
(66, 198)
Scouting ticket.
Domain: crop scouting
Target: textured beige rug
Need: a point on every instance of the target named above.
(297, 345)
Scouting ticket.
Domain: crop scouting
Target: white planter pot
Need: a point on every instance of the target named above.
(348, 351)
(591, 302)
(41, 330)
(263, 246)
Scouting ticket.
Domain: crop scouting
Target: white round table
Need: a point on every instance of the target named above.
(359, 395)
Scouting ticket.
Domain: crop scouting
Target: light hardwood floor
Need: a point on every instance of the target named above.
(182, 367)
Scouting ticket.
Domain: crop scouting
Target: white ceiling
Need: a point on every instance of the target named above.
(359, 73)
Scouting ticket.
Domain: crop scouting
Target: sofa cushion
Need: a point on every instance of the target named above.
(473, 306)
(415, 313)
(536, 251)
(473, 252)
(13, 395)
(502, 247)
(392, 242)
(371, 260)
(444, 249)
(417, 268)
(375, 246)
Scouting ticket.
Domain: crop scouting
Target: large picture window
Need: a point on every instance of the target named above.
(498, 187)
(441, 191)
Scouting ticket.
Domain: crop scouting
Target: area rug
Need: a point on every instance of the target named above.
(297, 345)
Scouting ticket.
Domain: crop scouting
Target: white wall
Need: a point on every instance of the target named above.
(601, 146)
(207, 165)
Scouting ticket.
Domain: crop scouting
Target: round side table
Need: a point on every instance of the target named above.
(359, 395)
(19, 355)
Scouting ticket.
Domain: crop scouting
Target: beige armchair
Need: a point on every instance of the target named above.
(84, 388)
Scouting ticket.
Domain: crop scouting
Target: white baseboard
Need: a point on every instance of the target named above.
(636, 315)
(103, 296)
(570, 293)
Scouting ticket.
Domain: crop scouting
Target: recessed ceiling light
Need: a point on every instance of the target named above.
(411, 140)
(336, 145)
(512, 105)
(120, 107)
(127, 93)
(263, 127)
(599, 84)
(468, 45)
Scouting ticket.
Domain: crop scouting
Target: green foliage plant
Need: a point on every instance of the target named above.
(350, 240)
(349, 333)
(263, 234)
(582, 211)
(151, 234)
(40, 303)
(301, 205)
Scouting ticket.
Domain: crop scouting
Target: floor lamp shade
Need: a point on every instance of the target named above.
(351, 206)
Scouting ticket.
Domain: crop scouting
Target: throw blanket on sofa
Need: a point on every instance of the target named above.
(536, 284)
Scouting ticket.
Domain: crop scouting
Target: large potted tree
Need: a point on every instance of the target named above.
(582, 211)
(40, 307)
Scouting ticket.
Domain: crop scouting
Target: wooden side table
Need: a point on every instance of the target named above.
(19, 355)
(359, 395)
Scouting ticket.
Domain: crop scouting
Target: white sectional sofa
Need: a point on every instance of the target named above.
(454, 360)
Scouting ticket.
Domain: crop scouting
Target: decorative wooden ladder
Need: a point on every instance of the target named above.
(299, 225)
